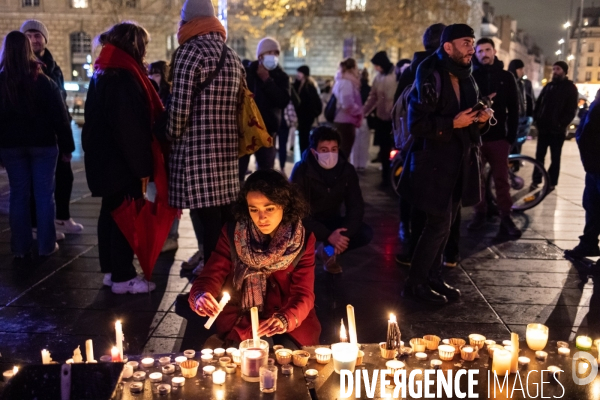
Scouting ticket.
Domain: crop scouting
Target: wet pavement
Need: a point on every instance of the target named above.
(59, 303)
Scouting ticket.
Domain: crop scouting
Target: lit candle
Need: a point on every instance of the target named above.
(583, 343)
(554, 372)
(148, 362)
(155, 377)
(422, 356)
(224, 300)
(502, 362)
(523, 360)
(343, 337)
(46, 359)
(435, 364)
(514, 365)
(541, 355)
(178, 381)
(536, 336)
(89, 351)
(252, 360)
(115, 356)
(10, 373)
(254, 320)
(77, 358)
(218, 377)
(564, 351)
(351, 324)
(119, 335)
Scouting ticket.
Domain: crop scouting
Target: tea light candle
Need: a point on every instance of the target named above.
(323, 355)
(164, 360)
(563, 351)
(189, 353)
(446, 341)
(178, 381)
(230, 351)
(554, 372)
(133, 364)
(115, 355)
(536, 336)
(311, 374)
(501, 362)
(208, 370)
(287, 369)
(148, 362)
(562, 345)
(180, 359)
(218, 377)
(10, 373)
(163, 388)
(46, 359)
(524, 361)
(168, 369)
(436, 364)
(506, 343)
(490, 342)
(155, 377)
(219, 352)
(541, 355)
(421, 356)
(508, 348)
(136, 387)
(237, 357)
(223, 361)
(393, 366)
(206, 358)
(230, 368)
(207, 351)
(139, 376)
(583, 343)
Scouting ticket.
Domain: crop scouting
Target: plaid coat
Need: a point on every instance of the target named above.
(204, 157)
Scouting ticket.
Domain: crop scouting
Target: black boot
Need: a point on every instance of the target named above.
(423, 292)
(508, 228)
(477, 223)
(441, 287)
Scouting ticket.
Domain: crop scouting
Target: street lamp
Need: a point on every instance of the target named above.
(561, 41)
(558, 52)
(567, 25)
(571, 57)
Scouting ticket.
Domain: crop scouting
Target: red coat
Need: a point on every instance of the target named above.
(289, 292)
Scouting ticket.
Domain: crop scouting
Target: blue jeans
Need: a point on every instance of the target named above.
(591, 204)
(27, 167)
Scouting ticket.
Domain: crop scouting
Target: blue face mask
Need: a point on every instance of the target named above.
(270, 62)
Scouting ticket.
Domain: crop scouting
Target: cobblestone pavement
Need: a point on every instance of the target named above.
(59, 303)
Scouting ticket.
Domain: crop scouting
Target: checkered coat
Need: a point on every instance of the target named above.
(204, 157)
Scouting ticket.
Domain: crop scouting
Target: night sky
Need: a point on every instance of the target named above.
(542, 19)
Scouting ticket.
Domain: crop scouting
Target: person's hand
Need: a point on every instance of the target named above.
(464, 118)
(484, 115)
(66, 157)
(207, 306)
(339, 241)
(270, 327)
(145, 184)
(262, 72)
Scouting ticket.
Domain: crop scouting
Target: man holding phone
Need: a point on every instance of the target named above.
(494, 81)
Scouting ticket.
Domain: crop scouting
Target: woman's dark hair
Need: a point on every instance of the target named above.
(323, 133)
(21, 68)
(129, 37)
(364, 75)
(348, 64)
(162, 68)
(276, 188)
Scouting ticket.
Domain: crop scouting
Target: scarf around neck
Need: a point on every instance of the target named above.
(260, 255)
(441, 59)
(113, 57)
(200, 26)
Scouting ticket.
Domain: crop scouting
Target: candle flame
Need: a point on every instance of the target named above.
(392, 318)
(226, 295)
(15, 369)
(114, 350)
(343, 332)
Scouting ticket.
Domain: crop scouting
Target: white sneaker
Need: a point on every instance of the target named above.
(107, 281)
(68, 226)
(170, 245)
(193, 262)
(135, 285)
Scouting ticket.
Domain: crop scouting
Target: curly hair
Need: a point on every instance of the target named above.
(277, 189)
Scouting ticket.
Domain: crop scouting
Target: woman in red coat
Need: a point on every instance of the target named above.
(265, 260)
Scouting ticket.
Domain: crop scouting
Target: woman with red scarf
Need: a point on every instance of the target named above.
(267, 260)
(120, 110)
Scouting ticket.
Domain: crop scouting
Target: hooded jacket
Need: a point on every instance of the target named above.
(494, 79)
(272, 96)
(409, 75)
(556, 107)
(53, 71)
(381, 97)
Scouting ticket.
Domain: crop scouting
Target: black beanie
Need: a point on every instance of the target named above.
(305, 70)
(381, 58)
(456, 31)
(515, 65)
(563, 65)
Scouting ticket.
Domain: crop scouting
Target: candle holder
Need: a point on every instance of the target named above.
(136, 387)
(206, 351)
(554, 373)
(180, 359)
(421, 356)
(476, 340)
(223, 361)
(208, 370)
(219, 352)
(489, 342)
(457, 343)
(284, 356)
(287, 369)
(139, 376)
(563, 351)
(467, 353)
(436, 364)
(493, 348)
(277, 347)
(206, 358)
(127, 371)
(146, 362)
(387, 354)
(134, 365)
(541, 355)
(360, 357)
(189, 368)
(300, 358)
(163, 388)
(394, 365)
(230, 351)
(155, 377)
(536, 336)
(311, 374)
(523, 361)
(502, 362)
(432, 341)
(164, 361)
(237, 357)
(230, 368)
(323, 355)
(344, 356)
(254, 356)
(583, 343)
(561, 344)
(168, 369)
(268, 377)
(418, 345)
(446, 352)
(189, 353)
(178, 381)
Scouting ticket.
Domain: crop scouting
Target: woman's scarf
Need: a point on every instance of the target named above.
(113, 57)
(200, 26)
(260, 255)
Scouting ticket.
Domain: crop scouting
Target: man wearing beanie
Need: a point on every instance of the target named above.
(309, 106)
(554, 111)
(271, 88)
(381, 99)
(442, 167)
(202, 120)
(38, 36)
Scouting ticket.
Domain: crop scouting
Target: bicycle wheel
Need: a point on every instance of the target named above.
(395, 172)
(525, 192)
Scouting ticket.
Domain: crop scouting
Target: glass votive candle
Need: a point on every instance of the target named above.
(155, 377)
(268, 377)
(189, 368)
(208, 370)
(446, 352)
(230, 368)
(344, 356)
(421, 356)
(536, 336)
(502, 361)
(163, 388)
(287, 369)
(180, 359)
(148, 362)
(164, 360)
(283, 356)
(476, 340)
(127, 371)
(136, 387)
(189, 353)
(523, 361)
(237, 357)
(323, 355)
(229, 351)
(178, 381)
(394, 365)
(134, 365)
(168, 369)
(311, 374)
(139, 376)
(254, 356)
(583, 343)
(206, 358)
(541, 355)
(206, 351)
(223, 361)
(300, 357)
(564, 351)
(219, 376)
(219, 352)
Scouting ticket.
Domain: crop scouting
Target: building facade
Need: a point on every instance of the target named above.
(588, 56)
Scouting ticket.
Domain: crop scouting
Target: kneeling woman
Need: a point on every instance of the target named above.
(265, 260)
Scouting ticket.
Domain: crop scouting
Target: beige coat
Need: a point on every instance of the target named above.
(381, 96)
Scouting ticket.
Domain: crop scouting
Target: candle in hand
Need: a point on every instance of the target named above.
(224, 299)
(343, 337)
(119, 334)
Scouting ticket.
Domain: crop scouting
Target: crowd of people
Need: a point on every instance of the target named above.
(260, 234)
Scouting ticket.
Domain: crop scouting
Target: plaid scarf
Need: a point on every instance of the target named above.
(260, 255)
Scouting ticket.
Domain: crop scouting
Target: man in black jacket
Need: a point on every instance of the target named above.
(494, 81)
(554, 111)
(442, 166)
(38, 36)
(329, 181)
(271, 88)
(308, 105)
(526, 100)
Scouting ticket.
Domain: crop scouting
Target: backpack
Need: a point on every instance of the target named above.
(402, 137)
(331, 109)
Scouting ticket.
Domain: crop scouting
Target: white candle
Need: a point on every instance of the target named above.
(583, 343)
(514, 364)
(46, 357)
(89, 351)
(502, 362)
(219, 352)
(148, 362)
(119, 336)
(254, 320)
(77, 358)
(218, 377)
(351, 324)
(178, 381)
(208, 370)
(523, 360)
(536, 336)
(180, 359)
(435, 364)
(224, 299)
(421, 356)
(563, 351)
(155, 377)
(127, 371)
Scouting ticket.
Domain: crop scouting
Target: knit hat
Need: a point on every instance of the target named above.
(563, 65)
(305, 70)
(456, 31)
(197, 8)
(267, 44)
(381, 58)
(35, 25)
(516, 64)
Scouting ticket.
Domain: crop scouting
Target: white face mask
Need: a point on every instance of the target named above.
(270, 62)
(327, 160)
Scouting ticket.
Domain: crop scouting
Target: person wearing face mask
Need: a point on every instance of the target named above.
(271, 88)
(329, 181)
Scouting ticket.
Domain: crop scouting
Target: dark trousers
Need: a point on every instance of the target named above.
(452, 249)
(417, 223)
(208, 223)
(496, 154)
(304, 135)
(115, 253)
(591, 204)
(405, 213)
(282, 138)
(62, 192)
(362, 237)
(555, 143)
(386, 143)
(348, 134)
(265, 158)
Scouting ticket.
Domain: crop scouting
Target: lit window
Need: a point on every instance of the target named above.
(588, 76)
(30, 3)
(299, 45)
(586, 22)
(356, 5)
(79, 3)
(81, 58)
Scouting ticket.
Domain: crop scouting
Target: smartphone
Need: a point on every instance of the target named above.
(329, 250)
(483, 103)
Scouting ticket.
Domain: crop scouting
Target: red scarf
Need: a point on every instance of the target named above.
(113, 57)
(200, 26)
